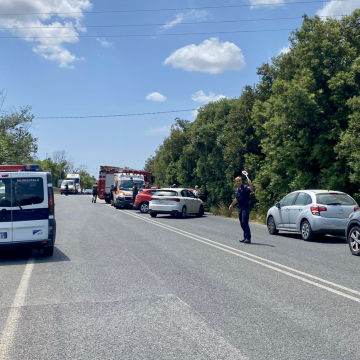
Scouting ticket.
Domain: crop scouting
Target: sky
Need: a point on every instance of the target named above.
(82, 58)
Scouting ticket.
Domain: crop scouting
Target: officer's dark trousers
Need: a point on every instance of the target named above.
(244, 222)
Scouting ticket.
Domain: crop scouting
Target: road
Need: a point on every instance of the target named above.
(122, 285)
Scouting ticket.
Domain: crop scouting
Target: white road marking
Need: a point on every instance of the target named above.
(258, 260)
(8, 333)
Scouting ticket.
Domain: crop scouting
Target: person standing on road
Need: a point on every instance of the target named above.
(242, 199)
(66, 189)
(94, 192)
(135, 192)
(112, 195)
(196, 191)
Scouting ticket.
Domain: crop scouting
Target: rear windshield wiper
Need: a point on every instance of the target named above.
(334, 204)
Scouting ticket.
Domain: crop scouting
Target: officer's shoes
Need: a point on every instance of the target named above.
(247, 241)
(243, 240)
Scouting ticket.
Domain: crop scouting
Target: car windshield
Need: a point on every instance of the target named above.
(129, 184)
(166, 193)
(335, 199)
(67, 182)
(77, 180)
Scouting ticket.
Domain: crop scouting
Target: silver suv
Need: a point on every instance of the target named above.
(311, 212)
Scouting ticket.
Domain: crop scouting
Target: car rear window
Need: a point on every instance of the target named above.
(334, 199)
(28, 191)
(166, 193)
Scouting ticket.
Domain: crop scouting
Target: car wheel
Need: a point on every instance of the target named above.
(354, 240)
(144, 207)
(201, 211)
(48, 251)
(183, 213)
(153, 214)
(272, 226)
(306, 231)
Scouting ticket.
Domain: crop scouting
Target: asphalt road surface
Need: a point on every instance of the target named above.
(122, 285)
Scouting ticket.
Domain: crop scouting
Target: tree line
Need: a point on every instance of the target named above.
(19, 146)
(297, 128)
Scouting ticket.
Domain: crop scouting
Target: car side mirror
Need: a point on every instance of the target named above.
(278, 205)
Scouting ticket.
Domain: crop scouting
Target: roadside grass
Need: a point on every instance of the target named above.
(223, 210)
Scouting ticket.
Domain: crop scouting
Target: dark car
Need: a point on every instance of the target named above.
(143, 198)
(353, 233)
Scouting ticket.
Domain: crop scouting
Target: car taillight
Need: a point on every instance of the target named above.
(315, 210)
(356, 208)
(51, 201)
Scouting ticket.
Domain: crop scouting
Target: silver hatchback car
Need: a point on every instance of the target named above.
(311, 212)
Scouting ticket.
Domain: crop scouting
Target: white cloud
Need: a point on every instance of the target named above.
(60, 32)
(187, 16)
(104, 43)
(201, 97)
(211, 56)
(164, 130)
(155, 96)
(333, 8)
(269, 3)
(284, 50)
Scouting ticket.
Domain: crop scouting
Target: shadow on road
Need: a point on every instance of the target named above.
(322, 239)
(22, 256)
(252, 243)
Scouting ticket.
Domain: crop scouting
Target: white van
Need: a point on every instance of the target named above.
(27, 213)
(72, 187)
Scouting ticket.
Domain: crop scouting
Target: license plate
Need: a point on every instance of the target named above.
(3, 235)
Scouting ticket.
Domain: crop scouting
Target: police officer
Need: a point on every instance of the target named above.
(94, 192)
(242, 199)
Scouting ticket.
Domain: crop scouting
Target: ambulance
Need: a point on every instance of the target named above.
(124, 183)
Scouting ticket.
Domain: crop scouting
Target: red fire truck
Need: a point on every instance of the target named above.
(106, 179)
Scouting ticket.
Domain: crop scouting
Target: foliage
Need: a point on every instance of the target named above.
(17, 145)
(298, 128)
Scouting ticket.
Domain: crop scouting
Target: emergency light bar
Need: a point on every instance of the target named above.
(19, 167)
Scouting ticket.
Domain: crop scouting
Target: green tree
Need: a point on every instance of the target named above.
(17, 145)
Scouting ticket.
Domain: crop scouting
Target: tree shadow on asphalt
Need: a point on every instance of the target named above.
(22, 256)
(321, 239)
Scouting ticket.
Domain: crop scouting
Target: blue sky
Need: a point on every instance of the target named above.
(100, 75)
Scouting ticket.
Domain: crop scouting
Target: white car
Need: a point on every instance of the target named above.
(175, 201)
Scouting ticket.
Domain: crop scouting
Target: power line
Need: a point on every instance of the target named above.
(144, 25)
(116, 115)
(172, 9)
(142, 35)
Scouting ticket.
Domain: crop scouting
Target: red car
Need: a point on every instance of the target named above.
(142, 200)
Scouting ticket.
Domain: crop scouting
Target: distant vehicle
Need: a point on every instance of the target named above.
(311, 212)
(175, 201)
(142, 200)
(88, 191)
(353, 233)
(77, 181)
(106, 179)
(27, 208)
(124, 184)
(72, 188)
